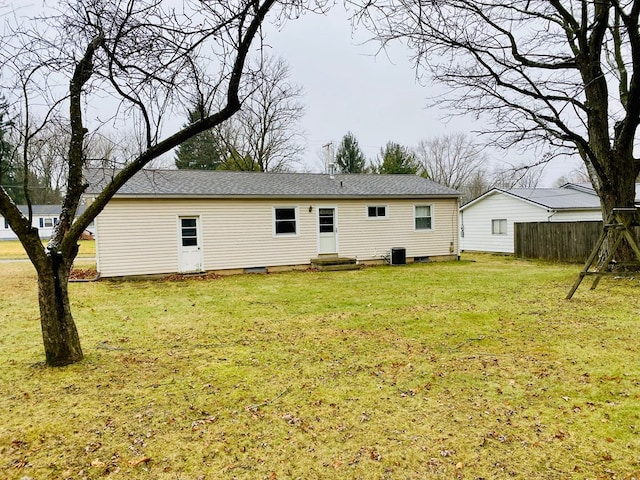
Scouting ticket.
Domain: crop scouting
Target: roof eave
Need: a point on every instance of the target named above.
(283, 196)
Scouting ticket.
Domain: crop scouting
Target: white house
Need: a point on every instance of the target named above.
(166, 221)
(486, 223)
(44, 218)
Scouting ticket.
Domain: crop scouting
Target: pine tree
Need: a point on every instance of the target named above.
(201, 152)
(349, 157)
(397, 159)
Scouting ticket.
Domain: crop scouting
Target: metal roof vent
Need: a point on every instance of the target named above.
(332, 171)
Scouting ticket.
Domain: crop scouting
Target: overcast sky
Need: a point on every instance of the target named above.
(350, 88)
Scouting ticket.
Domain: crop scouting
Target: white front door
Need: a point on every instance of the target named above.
(190, 253)
(327, 230)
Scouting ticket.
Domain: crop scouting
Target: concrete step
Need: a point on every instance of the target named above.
(334, 263)
(335, 268)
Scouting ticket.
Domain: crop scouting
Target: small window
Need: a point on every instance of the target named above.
(423, 217)
(326, 220)
(377, 211)
(48, 222)
(499, 226)
(285, 221)
(6, 224)
(189, 230)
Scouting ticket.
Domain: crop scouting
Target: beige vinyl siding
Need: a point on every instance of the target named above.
(368, 239)
(240, 234)
(136, 238)
(140, 236)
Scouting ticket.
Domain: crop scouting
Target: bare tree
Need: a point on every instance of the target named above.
(452, 159)
(266, 135)
(577, 175)
(518, 176)
(565, 74)
(479, 183)
(140, 59)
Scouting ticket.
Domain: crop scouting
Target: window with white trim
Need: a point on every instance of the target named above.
(285, 220)
(423, 217)
(376, 211)
(499, 226)
(6, 224)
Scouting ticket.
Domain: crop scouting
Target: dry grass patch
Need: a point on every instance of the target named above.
(452, 370)
(13, 249)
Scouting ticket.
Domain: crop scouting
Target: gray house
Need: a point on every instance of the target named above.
(165, 221)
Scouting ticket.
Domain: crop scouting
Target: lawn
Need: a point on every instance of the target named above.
(12, 249)
(472, 369)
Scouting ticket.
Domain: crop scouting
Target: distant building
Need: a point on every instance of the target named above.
(486, 223)
(45, 217)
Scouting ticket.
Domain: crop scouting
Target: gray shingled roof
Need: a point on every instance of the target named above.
(558, 198)
(205, 183)
(568, 197)
(587, 187)
(46, 209)
(41, 209)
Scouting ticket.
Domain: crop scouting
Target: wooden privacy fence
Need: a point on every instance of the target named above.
(560, 241)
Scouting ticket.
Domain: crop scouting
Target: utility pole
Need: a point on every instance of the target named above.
(329, 157)
(330, 164)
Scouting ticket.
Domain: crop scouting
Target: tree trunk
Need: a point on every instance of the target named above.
(619, 192)
(59, 333)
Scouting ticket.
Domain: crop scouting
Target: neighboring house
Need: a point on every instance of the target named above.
(44, 218)
(166, 221)
(486, 223)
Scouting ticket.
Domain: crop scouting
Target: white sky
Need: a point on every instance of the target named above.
(350, 88)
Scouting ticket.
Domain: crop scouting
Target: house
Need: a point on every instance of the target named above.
(166, 221)
(486, 223)
(44, 218)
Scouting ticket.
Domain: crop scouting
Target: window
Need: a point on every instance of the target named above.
(189, 231)
(377, 211)
(47, 222)
(285, 221)
(326, 220)
(423, 217)
(6, 224)
(499, 226)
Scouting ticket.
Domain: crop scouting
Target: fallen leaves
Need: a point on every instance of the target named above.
(83, 274)
(139, 461)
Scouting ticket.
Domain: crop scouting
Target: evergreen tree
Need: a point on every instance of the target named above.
(349, 157)
(394, 158)
(201, 152)
(9, 176)
(235, 161)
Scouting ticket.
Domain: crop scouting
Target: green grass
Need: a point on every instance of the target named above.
(13, 249)
(472, 369)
